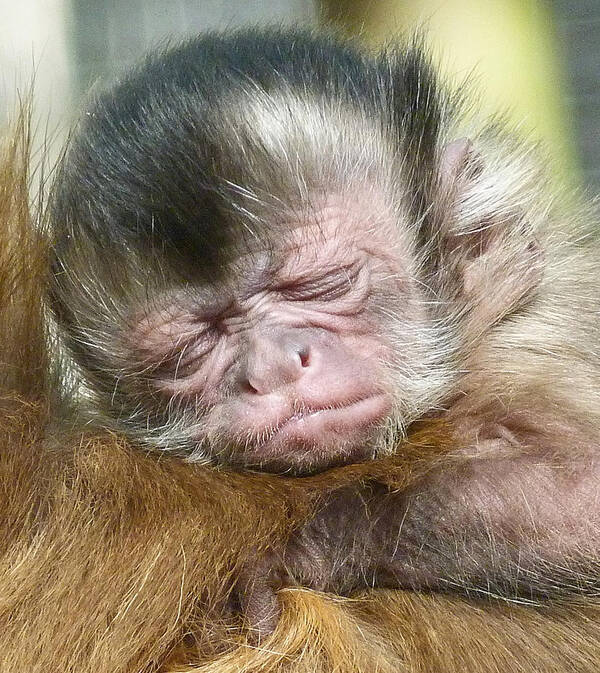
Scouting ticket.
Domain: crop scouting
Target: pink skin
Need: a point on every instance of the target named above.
(289, 372)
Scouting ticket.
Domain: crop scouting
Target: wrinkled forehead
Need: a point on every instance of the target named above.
(362, 218)
(292, 172)
(333, 233)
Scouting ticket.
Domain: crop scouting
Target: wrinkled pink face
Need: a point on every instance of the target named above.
(285, 368)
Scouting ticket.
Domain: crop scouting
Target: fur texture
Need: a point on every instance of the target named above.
(112, 560)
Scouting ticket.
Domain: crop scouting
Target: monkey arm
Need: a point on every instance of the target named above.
(494, 526)
(482, 521)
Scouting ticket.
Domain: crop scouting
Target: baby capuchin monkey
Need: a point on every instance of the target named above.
(275, 252)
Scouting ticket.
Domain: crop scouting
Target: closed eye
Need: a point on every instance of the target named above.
(326, 287)
(189, 350)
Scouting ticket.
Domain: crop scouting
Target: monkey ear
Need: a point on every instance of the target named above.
(502, 277)
(459, 162)
(495, 258)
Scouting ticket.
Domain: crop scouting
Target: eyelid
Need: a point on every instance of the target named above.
(330, 285)
(189, 329)
(190, 351)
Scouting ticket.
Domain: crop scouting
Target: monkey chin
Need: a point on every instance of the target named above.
(315, 440)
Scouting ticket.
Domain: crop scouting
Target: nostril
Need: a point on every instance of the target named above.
(304, 356)
(247, 387)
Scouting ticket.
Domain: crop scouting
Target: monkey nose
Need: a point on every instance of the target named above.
(275, 368)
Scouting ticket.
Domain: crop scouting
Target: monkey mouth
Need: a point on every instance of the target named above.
(327, 427)
(316, 414)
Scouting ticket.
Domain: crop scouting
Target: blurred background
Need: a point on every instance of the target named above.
(539, 59)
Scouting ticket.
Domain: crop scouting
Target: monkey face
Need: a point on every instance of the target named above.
(287, 364)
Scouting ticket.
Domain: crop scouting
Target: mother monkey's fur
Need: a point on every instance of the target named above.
(112, 560)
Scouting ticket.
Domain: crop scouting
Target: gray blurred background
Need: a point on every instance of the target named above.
(578, 29)
(67, 46)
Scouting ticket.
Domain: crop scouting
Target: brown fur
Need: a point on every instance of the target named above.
(111, 560)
